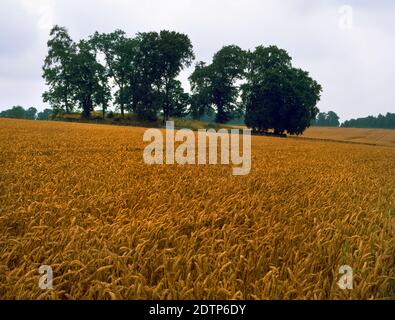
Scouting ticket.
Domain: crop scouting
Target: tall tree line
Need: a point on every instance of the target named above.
(139, 75)
(18, 112)
(327, 119)
(261, 85)
(381, 121)
(141, 70)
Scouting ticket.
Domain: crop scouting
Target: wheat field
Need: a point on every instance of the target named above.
(384, 137)
(79, 197)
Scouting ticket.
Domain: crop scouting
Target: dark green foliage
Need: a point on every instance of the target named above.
(178, 100)
(89, 80)
(57, 70)
(201, 98)
(276, 95)
(214, 85)
(119, 52)
(44, 115)
(73, 75)
(31, 113)
(383, 122)
(159, 61)
(330, 119)
(261, 85)
(144, 69)
(19, 112)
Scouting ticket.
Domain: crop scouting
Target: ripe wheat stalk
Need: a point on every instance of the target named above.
(80, 198)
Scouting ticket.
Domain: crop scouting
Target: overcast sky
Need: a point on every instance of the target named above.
(351, 53)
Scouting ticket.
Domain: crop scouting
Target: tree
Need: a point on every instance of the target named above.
(57, 70)
(276, 95)
(333, 119)
(215, 84)
(321, 120)
(158, 61)
(31, 113)
(201, 98)
(381, 121)
(119, 52)
(178, 100)
(44, 115)
(145, 80)
(16, 112)
(330, 119)
(175, 53)
(89, 79)
(102, 96)
(228, 66)
(74, 75)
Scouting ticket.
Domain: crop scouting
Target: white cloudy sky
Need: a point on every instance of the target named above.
(354, 63)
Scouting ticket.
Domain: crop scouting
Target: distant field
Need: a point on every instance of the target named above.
(383, 137)
(79, 197)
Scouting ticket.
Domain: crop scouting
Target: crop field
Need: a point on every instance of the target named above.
(79, 198)
(385, 137)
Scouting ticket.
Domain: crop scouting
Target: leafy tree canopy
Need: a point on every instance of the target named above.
(381, 121)
(19, 112)
(276, 95)
(215, 86)
(330, 119)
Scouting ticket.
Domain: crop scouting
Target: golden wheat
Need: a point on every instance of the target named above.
(79, 198)
(385, 137)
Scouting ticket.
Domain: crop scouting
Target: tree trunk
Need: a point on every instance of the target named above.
(66, 104)
(220, 114)
(87, 107)
(166, 106)
(121, 96)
